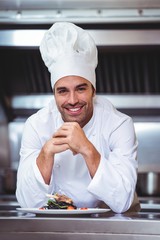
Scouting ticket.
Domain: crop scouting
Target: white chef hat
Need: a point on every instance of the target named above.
(66, 50)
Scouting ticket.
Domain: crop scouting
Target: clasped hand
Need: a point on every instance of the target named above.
(70, 136)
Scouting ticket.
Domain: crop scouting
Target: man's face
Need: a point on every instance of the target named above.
(74, 99)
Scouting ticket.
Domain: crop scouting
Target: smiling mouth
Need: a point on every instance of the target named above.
(75, 110)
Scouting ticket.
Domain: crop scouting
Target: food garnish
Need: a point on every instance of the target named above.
(42, 208)
(58, 201)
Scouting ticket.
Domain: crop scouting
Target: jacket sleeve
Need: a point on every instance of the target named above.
(31, 189)
(115, 180)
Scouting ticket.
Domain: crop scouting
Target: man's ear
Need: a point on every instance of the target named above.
(94, 91)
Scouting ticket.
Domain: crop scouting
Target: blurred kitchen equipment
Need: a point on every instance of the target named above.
(10, 180)
(148, 184)
(95, 11)
(1, 181)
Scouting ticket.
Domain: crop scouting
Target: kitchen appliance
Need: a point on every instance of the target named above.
(149, 184)
(95, 11)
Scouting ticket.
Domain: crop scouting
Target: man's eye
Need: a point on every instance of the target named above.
(81, 89)
(62, 91)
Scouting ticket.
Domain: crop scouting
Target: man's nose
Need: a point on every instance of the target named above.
(73, 98)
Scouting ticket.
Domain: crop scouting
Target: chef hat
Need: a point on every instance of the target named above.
(66, 50)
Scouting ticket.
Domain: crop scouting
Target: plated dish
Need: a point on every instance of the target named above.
(63, 211)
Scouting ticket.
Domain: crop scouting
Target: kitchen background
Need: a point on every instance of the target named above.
(127, 34)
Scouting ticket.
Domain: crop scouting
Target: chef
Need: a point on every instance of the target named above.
(79, 144)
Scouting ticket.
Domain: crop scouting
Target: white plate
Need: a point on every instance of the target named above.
(63, 211)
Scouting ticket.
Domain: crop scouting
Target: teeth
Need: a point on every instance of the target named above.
(74, 109)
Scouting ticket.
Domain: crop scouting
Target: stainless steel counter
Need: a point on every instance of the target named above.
(17, 225)
(143, 225)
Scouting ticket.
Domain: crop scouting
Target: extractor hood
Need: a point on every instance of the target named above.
(86, 11)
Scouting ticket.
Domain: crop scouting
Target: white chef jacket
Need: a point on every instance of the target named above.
(113, 135)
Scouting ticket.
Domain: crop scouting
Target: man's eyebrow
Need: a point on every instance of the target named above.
(82, 85)
(60, 88)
